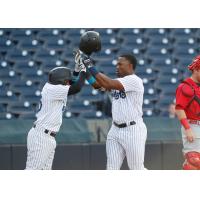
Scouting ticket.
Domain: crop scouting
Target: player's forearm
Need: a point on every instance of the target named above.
(183, 119)
(104, 81)
(76, 87)
(180, 114)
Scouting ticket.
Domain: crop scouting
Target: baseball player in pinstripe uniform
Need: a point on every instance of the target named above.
(128, 133)
(41, 143)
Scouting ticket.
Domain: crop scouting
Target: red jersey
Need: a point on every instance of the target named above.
(188, 98)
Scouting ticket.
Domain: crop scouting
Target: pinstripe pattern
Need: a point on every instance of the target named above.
(128, 141)
(41, 146)
(41, 149)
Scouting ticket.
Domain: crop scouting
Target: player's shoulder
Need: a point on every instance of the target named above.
(133, 77)
(185, 89)
(49, 86)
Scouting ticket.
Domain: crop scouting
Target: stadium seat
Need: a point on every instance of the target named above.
(79, 106)
(6, 44)
(18, 108)
(156, 32)
(58, 44)
(43, 54)
(20, 34)
(16, 55)
(30, 44)
(182, 32)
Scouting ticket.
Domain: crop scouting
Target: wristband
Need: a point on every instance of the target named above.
(185, 123)
(93, 71)
(91, 80)
(75, 73)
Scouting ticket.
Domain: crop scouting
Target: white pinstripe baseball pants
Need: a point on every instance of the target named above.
(40, 149)
(129, 142)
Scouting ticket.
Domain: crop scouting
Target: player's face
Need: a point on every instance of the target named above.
(197, 75)
(123, 67)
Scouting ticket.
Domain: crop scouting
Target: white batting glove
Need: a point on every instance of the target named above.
(82, 66)
(77, 60)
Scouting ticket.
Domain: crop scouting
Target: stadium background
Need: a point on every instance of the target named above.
(26, 56)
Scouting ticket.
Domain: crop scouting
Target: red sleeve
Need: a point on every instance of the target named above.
(181, 99)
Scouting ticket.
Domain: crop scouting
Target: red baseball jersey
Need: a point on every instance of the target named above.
(188, 98)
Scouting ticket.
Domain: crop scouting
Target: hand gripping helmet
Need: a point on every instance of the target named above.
(90, 42)
(59, 75)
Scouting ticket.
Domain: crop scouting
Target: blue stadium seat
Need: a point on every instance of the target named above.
(20, 34)
(43, 54)
(2, 108)
(4, 32)
(80, 106)
(123, 32)
(58, 44)
(148, 112)
(158, 52)
(162, 42)
(182, 32)
(48, 34)
(92, 95)
(24, 89)
(16, 55)
(107, 31)
(93, 115)
(6, 44)
(184, 51)
(30, 44)
(163, 107)
(156, 32)
(189, 42)
(47, 65)
(184, 62)
(7, 96)
(6, 115)
(67, 55)
(28, 116)
(162, 62)
(20, 108)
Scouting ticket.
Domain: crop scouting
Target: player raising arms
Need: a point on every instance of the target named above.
(41, 143)
(188, 112)
(128, 133)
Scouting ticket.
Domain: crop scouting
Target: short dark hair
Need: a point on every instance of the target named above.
(131, 58)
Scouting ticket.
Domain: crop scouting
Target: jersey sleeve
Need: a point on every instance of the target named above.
(182, 100)
(131, 83)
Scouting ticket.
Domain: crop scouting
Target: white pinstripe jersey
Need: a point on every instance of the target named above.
(127, 104)
(52, 105)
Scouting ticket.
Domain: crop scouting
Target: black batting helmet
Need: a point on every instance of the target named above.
(59, 75)
(90, 42)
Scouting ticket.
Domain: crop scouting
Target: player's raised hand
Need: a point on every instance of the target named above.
(78, 60)
(189, 135)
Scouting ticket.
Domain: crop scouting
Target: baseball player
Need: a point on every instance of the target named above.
(128, 133)
(188, 112)
(41, 143)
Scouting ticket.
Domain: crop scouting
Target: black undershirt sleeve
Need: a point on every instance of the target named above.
(76, 87)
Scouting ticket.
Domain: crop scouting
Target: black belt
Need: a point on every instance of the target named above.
(123, 125)
(51, 133)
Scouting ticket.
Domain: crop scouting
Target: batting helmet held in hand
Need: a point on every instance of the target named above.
(90, 42)
(60, 75)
